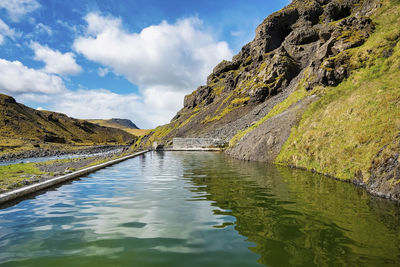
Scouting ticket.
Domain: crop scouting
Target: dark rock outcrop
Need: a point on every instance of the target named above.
(202, 94)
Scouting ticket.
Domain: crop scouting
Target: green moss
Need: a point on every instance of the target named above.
(248, 61)
(138, 142)
(341, 133)
(12, 176)
(160, 132)
(218, 87)
(195, 112)
(351, 36)
(234, 104)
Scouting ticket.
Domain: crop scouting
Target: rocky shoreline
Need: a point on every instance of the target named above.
(49, 152)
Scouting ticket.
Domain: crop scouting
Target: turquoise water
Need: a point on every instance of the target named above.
(200, 209)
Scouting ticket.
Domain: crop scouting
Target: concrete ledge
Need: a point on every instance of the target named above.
(197, 143)
(192, 149)
(26, 190)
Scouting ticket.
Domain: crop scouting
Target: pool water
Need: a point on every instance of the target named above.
(200, 209)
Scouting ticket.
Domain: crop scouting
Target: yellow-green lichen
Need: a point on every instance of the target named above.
(234, 104)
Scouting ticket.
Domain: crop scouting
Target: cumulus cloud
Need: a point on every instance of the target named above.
(6, 31)
(178, 55)
(164, 60)
(56, 62)
(101, 103)
(15, 79)
(16, 9)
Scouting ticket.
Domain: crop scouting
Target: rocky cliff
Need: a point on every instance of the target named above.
(315, 89)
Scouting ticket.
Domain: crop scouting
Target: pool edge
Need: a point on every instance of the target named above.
(26, 190)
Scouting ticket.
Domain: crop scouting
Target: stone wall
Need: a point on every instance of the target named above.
(197, 143)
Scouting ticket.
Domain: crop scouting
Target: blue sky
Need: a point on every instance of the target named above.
(130, 59)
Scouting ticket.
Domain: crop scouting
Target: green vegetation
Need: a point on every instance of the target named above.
(138, 142)
(218, 87)
(14, 176)
(161, 131)
(195, 112)
(351, 36)
(234, 104)
(341, 133)
(296, 96)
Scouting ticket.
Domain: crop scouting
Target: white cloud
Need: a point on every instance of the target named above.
(18, 8)
(164, 99)
(15, 78)
(6, 31)
(41, 28)
(103, 104)
(55, 61)
(165, 60)
(179, 55)
(103, 71)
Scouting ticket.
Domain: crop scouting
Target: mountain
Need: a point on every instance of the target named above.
(317, 89)
(23, 128)
(116, 123)
(123, 124)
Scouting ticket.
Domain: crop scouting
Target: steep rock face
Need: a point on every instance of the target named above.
(303, 45)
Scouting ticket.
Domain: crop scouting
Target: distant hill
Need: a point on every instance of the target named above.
(24, 128)
(123, 124)
(116, 123)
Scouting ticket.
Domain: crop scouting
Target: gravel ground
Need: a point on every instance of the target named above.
(60, 167)
(46, 152)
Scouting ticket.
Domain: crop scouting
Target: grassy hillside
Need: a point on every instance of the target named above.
(113, 124)
(342, 132)
(23, 128)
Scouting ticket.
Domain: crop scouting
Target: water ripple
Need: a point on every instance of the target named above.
(200, 209)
